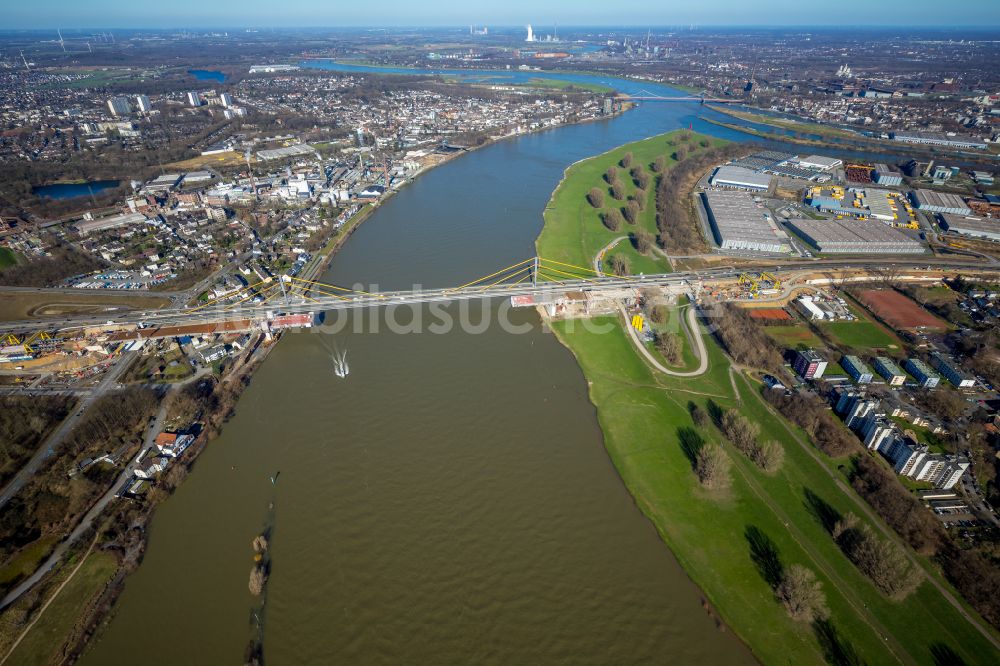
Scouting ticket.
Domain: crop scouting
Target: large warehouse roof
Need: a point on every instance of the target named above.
(734, 176)
(740, 225)
(941, 202)
(854, 236)
(972, 226)
(820, 162)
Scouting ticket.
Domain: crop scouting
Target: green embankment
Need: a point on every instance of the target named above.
(42, 642)
(716, 536)
(723, 538)
(573, 231)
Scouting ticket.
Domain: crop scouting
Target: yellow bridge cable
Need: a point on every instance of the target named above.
(333, 286)
(587, 270)
(572, 275)
(504, 278)
(514, 284)
(323, 291)
(487, 277)
(302, 293)
(550, 278)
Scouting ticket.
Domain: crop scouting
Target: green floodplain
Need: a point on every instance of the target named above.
(573, 231)
(733, 542)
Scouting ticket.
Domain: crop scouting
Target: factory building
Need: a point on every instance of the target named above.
(952, 373)
(738, 224)
(857, 369)
(854, 236)
(974, 227)
(119, 106)
(819, 162)
(885, 175)
(939, 139)
(889, 371)
(808, 308)
(879, 207)
(85, 227)
(740, 178)
(809, 364)
(930, 201)
(922, 372)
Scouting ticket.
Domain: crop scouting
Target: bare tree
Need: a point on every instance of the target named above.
(612, 219)
(620, 265)
(618, 190)
(644, 241)
(712, 466)
(631, 212)
(769, 456)
(801, 594)
(595, 197)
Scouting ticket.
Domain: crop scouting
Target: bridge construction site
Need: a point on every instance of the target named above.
(270, 306)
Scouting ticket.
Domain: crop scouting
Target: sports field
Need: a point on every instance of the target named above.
(898, 311)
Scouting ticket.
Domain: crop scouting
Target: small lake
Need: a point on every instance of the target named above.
(207, 75)
(71, 190)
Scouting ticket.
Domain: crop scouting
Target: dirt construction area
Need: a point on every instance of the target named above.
(27, 305)
(898, 311)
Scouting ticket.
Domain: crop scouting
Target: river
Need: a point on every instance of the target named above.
(451, 500)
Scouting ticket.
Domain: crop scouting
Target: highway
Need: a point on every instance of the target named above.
(177, 316)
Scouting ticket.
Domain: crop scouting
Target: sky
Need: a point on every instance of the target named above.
(68, 14)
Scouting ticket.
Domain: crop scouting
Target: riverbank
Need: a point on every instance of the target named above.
(736, 541)
(856, 141)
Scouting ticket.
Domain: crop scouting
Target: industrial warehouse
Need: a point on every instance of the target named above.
(930, 201)
(974, 227)
(855, 237)
(739, 224)
(740, 178)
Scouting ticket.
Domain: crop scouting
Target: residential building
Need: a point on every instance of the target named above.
(877, 432)
(889, 371)
(150, 463)
(857, 369)
(143, 104)
(905, 455)
(194, 99)
(952, 472)
(858, 413)
(171, 444)
(922, 372)
(952, 372)
(809, 364)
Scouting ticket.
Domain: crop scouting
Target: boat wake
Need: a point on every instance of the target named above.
(340, 366)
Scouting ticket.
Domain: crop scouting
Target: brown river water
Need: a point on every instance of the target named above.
(450, 501)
